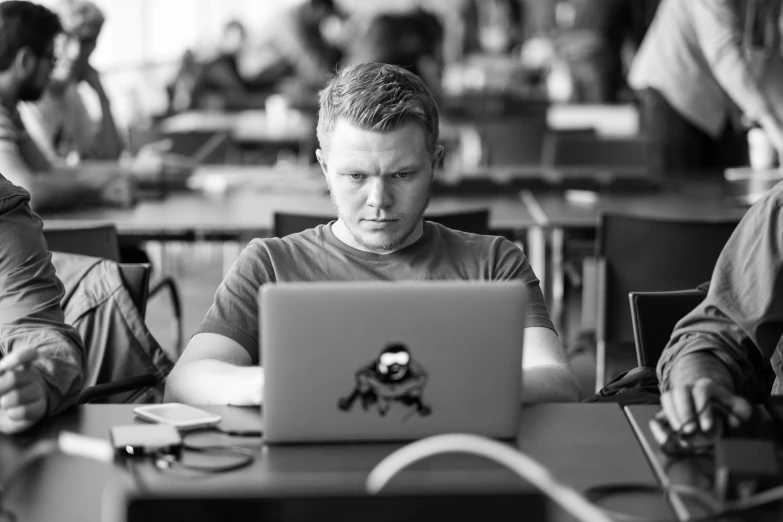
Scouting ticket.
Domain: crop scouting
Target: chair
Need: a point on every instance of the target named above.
(654, 315)
(101, 240)
(136, 278)
(476, 222)
(643, 254)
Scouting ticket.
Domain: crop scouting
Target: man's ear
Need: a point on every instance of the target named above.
(437, 156)
(25, 61)
(321, 156)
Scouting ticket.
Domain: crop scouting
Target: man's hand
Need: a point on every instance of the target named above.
(119, 191)
(93, 79)
(697, 406)
(153, 162)
(23, 395)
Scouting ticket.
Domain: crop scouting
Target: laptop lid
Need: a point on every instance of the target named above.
(362, 361)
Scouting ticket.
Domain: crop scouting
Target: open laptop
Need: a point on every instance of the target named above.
(368, 361)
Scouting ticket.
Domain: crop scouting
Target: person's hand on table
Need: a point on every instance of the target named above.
(119, 191)
(23, 395)
(700, 406)
(153, 162)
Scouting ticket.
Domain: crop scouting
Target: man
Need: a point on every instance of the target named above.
(378, 132)
(26, 60)
(726, 350)
(41, 357)
(695, 70)
(59, 122)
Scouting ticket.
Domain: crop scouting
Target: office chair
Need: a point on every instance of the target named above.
(101, 240)
(476, 222)
(643, 254)
(136, 278)
(654, 315)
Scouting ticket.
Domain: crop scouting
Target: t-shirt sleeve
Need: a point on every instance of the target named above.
(510, 264)
(234, 312)
(30, 313)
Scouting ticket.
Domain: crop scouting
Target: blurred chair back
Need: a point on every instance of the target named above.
(654, 315)
(98, 240)
(137, 281)
(476, 221)
(580, 149)
(512, 140)
(643, 254)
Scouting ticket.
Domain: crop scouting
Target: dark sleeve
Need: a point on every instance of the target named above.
(741, 319)
(30, 312)
(511, 263)
(234, 312)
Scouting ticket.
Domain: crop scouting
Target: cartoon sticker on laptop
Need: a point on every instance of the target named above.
(394, 377)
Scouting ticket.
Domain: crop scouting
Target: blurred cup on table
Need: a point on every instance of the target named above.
(276, 111)
(760, 150)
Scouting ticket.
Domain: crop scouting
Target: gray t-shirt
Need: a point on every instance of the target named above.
(317, 255)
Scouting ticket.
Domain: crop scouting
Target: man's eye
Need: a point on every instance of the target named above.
(357, 176)
(402, 174)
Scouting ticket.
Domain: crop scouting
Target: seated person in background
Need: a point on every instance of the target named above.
(41, 357)
(378, 133)
(411, 40)
(294, 46)
(27, 34)
(726, 351)
(59, 121)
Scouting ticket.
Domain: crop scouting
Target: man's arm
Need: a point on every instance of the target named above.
(107, 144)
(724, 343)
(31, 320)
(546, 374)
(214, 369)
(56, 188)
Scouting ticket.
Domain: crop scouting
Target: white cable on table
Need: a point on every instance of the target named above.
(524, 466)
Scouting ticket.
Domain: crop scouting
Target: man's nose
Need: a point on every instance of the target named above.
(380, 195)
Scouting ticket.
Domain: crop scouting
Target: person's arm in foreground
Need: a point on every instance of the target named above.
(41, 366)
(214, 369)
(730, 337)
(546, 374)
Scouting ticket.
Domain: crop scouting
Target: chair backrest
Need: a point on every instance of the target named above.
(575, 149)
(90, 240)
(476, 221)
(137, 281)
(654, 315)
(642, 254)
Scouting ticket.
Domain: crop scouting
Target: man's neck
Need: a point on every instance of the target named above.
(342, 233)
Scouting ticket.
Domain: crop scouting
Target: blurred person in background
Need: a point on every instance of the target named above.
(27, 58)
(412, 40)
(593, 45)
(294, 47)
(697, 75)
(60, 123)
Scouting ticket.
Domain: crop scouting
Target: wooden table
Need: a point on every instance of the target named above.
(583, 445)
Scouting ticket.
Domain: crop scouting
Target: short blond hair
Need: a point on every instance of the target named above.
(377, 97)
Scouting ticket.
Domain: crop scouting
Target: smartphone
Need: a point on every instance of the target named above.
(178, 415)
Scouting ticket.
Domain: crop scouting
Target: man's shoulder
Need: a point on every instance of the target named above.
(11, 196)
(467, 240)
(11, 126)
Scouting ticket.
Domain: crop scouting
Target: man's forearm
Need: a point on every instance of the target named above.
(689, 368)
(53, 192)
(108, 145)
(549, 384)
(211, 381)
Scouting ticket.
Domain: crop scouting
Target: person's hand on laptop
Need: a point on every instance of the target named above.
(23, 397)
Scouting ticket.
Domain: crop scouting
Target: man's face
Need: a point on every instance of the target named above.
(73, 53)
(33, 86)
(394, 364)
(380, 182)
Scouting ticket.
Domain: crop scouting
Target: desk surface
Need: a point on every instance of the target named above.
(252, 195)
(692, 199)
(583, 445)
